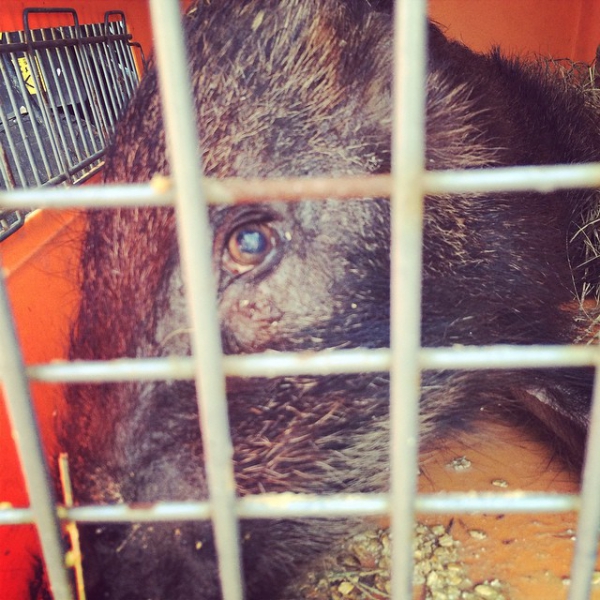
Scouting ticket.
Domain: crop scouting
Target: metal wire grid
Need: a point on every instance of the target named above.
(404, 360)
(62, 89)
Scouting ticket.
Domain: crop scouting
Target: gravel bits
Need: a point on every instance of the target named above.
(360, 570)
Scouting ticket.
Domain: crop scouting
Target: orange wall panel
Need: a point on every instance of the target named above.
(556, 28)
(40, 262)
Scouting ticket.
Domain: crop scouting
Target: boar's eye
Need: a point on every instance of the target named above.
(248, 246)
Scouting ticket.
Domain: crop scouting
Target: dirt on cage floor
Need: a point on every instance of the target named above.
(469, 557)
(528, 554)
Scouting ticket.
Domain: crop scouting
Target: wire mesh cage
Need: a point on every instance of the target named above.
(405, 360)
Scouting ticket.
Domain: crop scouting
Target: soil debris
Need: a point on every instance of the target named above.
(360, 571)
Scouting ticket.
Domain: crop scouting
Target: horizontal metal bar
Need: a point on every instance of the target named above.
(159, 192)
(90, 159)
(269, 364)
(287, 505)
(88, 196)
(510, 502)
(79, 176)
(329, 362)
(509, 357)
(123, 513)
(82, 40)
(264, 506)
(123, 369)
(16, 516)
(226, 191)
(547, 178)
(355, 505)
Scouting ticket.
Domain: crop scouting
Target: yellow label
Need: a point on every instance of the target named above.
(27, 76)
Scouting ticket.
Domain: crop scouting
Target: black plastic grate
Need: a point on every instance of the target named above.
(62, 89)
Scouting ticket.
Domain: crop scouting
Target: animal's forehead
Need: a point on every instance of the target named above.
(280, 86)
(295, 214)
(338, 222)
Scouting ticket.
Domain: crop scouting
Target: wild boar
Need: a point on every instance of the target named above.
(293, 88)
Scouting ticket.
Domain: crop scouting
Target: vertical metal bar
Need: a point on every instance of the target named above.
(129, 73)
(18, 119)
(73, 95)
(110, 66)
(48, 74)
(73, 58)
(53, 55)
(48, 108)
(408, 150)
(10, 138)
(114, 59)
(95, 85)
(27, 439)
(36, 110)
(122, 50)
(102, 68)
(586, 545)
(195, 244)
(44, 169)
(7, 180)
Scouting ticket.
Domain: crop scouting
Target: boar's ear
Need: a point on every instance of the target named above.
(565, 429)
(438, 42)
(451, 56)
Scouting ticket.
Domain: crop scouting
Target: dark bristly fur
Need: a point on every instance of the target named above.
(292, 88)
